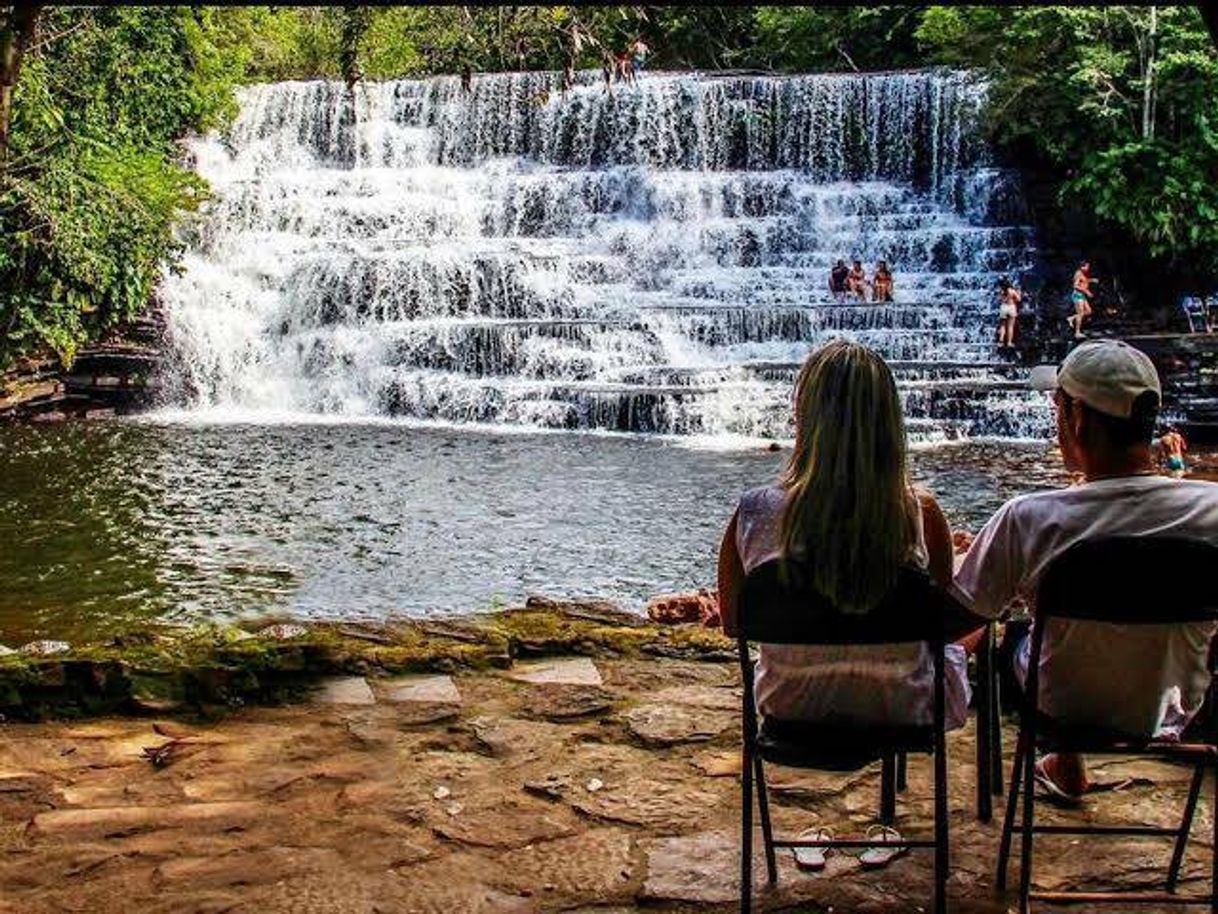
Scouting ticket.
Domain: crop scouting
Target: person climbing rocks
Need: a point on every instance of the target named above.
(1081, 298)
(467, 79)
(1009, 298)
(881, 283)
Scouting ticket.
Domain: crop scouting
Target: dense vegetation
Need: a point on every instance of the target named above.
(1119, 105)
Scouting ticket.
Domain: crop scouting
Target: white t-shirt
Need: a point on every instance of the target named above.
(889, 685)
(1142, 680)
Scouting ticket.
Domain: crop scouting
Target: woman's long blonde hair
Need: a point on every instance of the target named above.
(850, 516)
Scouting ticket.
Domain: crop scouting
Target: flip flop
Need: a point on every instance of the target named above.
(1053, 790)
(813, 858)
(884, 851)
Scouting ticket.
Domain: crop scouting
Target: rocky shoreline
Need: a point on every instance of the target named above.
(601, 784)
(206, 669)
(114, 377)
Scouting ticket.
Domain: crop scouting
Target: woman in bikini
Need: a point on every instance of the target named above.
(881, 283)
(845, 504)
(856, 281)
(1009, 298)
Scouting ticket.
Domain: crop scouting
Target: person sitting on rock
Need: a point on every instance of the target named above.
(881, 283)
(1107, 396)
(846, 506)
(856, 281)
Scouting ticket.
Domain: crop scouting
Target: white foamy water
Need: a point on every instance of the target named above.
(650, 260)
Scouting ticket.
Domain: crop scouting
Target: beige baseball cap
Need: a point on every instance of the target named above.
(1107, 375)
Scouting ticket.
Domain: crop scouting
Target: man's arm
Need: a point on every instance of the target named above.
(989, 577)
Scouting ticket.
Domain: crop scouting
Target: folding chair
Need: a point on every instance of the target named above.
(777, 606)
(1115, 580)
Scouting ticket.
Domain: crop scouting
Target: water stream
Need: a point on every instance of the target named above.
(651, 259)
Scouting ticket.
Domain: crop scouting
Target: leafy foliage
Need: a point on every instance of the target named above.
(90, 192)
(1121, 102)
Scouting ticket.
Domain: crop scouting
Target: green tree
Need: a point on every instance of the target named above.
(1121, 102)
(93, 182)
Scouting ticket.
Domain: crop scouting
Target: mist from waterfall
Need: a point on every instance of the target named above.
(650, 259)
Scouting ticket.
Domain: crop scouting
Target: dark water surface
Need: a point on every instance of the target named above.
(105, 524)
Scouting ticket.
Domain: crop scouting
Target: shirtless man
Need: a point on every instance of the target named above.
(837, 281)
(856, 281)
(1081, 298)
(1173, 446)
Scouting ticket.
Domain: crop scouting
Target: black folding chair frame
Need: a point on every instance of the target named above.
(1039, 732)
(892, 756)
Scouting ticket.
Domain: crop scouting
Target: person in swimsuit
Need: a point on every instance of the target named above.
(856, 281)
(1173, 445)
(1009, 298)
(881, 283)
(1081, 298)
(837, 281)
(845, 505)
(638, 56)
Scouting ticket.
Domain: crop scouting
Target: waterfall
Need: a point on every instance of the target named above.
(653, 258)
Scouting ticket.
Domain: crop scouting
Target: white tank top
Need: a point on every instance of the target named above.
(875, 684)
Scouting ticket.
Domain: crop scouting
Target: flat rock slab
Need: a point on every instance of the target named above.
(505, 825)
(130, 818)
(668, 725)
(432, 689)
(700, 696)
(579, 671)
(552, 701)
(667, 806)
(600, 863)
(348, 690)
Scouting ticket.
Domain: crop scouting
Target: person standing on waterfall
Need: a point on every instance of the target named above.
(881, 283)
(1009, 298)
(638, 56)
(1081, 298)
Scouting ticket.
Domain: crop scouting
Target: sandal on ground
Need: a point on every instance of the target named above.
(884, 850)
(813, 858)
(1053, 790)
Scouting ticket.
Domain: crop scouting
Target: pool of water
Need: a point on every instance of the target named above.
(108, 524)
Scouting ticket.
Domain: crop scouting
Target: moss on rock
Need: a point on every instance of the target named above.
(203, 668)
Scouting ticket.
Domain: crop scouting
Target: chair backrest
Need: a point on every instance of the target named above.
(1132, 580)
(778, 605)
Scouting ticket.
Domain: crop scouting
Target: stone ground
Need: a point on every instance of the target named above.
(567, 785)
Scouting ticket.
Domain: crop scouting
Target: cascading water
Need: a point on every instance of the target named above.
(648, 259)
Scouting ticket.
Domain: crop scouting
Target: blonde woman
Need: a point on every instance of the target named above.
(846, 505)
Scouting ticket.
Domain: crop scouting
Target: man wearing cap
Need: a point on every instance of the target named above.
(1106, 395)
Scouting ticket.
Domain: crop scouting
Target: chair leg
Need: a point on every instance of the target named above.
(1008, 822)
(985, 770)
(942, 845)
(767, 832)
(888, 792)
(746, 835)
(902, 772)
(1186, 825)
(1029, 811)
(1214, 851)
(995, 734)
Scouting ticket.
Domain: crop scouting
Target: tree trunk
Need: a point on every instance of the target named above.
(17, 25)
(1148, 77)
